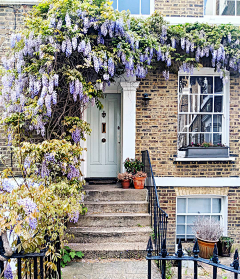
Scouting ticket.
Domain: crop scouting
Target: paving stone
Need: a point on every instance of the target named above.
(109, 269)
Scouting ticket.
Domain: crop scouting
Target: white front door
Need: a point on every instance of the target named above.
(103, 146)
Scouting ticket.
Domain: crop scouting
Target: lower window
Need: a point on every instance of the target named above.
(190, 208)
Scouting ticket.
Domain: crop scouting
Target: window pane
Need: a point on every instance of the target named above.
(216, 218)
(184, 84)
(206, 102)
(145, 7)
(189, 230)
(199, 206)
(114, 5)
(218, 103)
(206, 123)
(200, 123)
(227, 7)
(183, 140)
(183, 103)
(201, 84)
(217, 123)
(181, 206)
(218, 86)
(181, 219)
(180, 229)
(132, 5)
(216, 205)
(191, 219)
(199, 138)
(217, 138)
(238, 8)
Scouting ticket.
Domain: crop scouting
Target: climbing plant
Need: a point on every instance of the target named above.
(59, 64)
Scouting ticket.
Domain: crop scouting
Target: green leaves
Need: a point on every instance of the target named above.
(69, 254)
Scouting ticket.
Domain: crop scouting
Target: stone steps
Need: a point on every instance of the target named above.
(109, 220)
(117, 224)
(111, 250)
(117, 207)
(114, 194)
(107, 235)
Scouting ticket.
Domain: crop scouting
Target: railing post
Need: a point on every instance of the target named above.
(164, 254)
(35, 270)
(235, 263)
(19, 268)
(215, 260)
(1, 253)
(41, 267)
(149, 255)
(195, 253)
(179, 254)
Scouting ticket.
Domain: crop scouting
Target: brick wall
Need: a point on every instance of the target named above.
(168, 197)
(234, 213)
(8, 16)
(156, 130)
(184, 8)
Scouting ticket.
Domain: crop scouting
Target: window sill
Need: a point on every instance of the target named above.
(179, 159)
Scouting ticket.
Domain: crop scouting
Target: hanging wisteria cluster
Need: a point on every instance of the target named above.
(69, 64)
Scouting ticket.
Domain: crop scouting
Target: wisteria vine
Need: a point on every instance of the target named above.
(58, 70)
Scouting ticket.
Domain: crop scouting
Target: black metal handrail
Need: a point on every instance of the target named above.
(179, 257)
(159, 217)
(35, 264)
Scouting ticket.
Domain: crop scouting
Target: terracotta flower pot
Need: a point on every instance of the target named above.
(138, 182)
(125, 183)
(206, 248)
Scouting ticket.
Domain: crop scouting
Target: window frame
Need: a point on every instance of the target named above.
(208, 72)
(223, 213)
(152, 3)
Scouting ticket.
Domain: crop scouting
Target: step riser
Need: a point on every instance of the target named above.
(87, 237)
(116, 208)
(130, 254)
(124, 195)
(112, 221)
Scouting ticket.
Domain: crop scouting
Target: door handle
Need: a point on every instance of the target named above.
(104, 140)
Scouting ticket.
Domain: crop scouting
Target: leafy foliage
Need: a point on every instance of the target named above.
(69, 254)
(133, 166)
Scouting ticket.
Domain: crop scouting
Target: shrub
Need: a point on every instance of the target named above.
(124, 176)
(207, 229)
(133, 166)
(140, 174)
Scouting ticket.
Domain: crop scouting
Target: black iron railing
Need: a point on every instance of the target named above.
(159, 217)
(179, 257)
(34, 265)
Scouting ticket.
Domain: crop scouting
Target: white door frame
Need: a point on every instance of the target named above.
(127, 87)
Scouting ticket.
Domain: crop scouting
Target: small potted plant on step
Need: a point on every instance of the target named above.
(224, 246)
(125, 179)
(139, 180)
(133, 165)
(208, 232)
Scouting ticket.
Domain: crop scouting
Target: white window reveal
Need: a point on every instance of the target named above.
(136, 7)
(190, 208)
(203, 109)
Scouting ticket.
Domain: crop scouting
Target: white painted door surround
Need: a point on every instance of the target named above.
(127, 88)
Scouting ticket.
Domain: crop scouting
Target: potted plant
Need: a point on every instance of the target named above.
(206, 150)
(139, 180)
(224, 246)
(133, 165)
(125, 179)
(208, 232)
